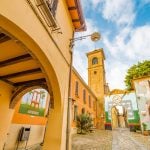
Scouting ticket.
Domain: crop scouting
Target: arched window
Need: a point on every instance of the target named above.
(94, 61)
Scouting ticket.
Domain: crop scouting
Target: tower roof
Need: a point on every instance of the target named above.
(96, 51)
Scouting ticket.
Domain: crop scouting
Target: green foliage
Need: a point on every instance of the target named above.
(136, 71)
(84, 123)
(144, 126)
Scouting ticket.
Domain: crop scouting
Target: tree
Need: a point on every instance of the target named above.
(136, 71)
(84, 123)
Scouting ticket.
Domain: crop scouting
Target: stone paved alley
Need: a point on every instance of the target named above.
(119, 139)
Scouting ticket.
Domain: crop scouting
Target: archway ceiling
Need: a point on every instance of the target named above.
(17, 66)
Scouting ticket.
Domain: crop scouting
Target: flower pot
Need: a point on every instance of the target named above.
(146, 133)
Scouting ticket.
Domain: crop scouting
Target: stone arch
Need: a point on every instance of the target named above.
(23, 90)
(36, 52)
(54, 126)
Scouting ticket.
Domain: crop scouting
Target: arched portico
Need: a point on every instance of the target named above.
(24, 65)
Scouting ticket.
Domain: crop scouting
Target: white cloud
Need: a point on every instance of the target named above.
(115, 74)
(120, 12)
(138, 46)
(90, 3)
(131, 43)
(96, 2)
(127, 48)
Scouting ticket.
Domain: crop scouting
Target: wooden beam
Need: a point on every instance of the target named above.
(72, 8)
(15, 60)
(75, 20)
(4, 38)
(23, 73)
(7, 81)
(30, 82)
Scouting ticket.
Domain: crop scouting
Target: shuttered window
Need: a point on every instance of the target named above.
(84, 96)
(52, 4)
(76, 88)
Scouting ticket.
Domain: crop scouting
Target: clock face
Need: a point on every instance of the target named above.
(116, 99)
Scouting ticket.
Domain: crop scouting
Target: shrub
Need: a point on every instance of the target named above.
(84, 123)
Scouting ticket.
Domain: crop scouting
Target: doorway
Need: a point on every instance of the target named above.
(119, 117)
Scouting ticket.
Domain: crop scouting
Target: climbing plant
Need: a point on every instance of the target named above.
(138, 70)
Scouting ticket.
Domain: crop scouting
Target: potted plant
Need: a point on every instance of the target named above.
(145, 132)
(84, 123)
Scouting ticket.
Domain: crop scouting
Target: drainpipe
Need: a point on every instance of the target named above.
(68, 130)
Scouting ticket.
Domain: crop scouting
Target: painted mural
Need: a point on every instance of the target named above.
(142, 88)
(34, 102)
(124, 106)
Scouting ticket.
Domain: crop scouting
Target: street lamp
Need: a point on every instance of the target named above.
(94, 37)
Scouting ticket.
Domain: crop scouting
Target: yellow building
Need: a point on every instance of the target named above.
(34, 53)
(97, 82)
(83, 99)
(90, 98)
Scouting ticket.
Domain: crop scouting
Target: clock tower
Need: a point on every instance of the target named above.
(97, 82)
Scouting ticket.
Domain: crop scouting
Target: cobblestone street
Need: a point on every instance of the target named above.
(123, 139)
(120, 139)
(99, 140)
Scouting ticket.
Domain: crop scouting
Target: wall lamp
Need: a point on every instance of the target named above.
(94, 37)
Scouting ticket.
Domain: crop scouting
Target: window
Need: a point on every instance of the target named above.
(94, 61)
(83, 111)
(75, 112)
(95, 72)
(94, 105)
(47, 9)
(84, 96)
(89, 101)
(52, 4)
(76, 88)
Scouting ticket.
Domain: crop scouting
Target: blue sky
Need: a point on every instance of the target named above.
(124, 26)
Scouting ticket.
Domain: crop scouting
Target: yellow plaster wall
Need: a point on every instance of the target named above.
(5, 113)
(78, 100)
(18, 19)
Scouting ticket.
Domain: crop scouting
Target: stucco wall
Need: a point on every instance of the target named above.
(5, 112)
(35, 137)
(78, 100)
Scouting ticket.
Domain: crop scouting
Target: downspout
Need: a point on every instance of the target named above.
(68, 129)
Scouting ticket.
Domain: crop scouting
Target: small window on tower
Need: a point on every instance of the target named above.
(95, 72)
(94, 61)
